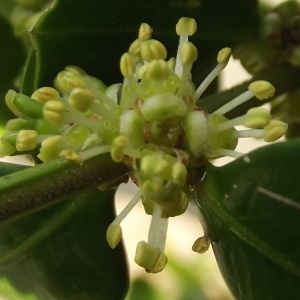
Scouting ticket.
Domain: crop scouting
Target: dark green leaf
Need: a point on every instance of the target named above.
(62, 252)
(93, 34)
(7, 168)
(252, 207)
(11, 60)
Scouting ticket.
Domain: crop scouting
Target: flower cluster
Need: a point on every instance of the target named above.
(151, 122)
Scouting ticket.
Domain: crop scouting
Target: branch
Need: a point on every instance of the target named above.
(38, 187)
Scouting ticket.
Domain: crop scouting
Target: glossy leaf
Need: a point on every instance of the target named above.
(7, 168)
(11, 59)
(93, 34)
(62, 252)
(252, 207)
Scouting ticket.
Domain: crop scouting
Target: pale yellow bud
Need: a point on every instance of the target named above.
(142, 71)
(145, 32)
(50, 148)
(186, 26)
(224, 56)
(81, 99)
(188, 53)
(275, 130)
(146, 256)
(75, 70)
(118, 145)
(262, 89)
(151, 188)
(127, 65)
(114, 235)
(153, 49)
(70, 155)
(44, 94)
(26, 140)
(179, 173)
(54, 111)
(202, 244)
(171, 63)
(135, 49)
(257, 117)
(157, 70)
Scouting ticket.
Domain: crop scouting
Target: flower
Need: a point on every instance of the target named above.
(151, 122)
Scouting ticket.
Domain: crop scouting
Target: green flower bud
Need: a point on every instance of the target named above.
(163, 106)
(81, 99)
(19, 124)
(50, 148)
(8, 141)
(23, 106)
(132, 125)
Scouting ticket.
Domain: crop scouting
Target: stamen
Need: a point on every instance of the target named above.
(114, 232)
(260, 89)
(44, 94)
(128, 69)
(184, 28)
(256, 117)
(188, 55)
(153, 49)
(26, 140)
(50, 148)
(158, 229)
(223, 58)
(255, 133)
(227, 152)
(202, 244)
(145, 32)
(272, 132)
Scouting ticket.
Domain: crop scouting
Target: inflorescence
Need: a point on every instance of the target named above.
(151, 122)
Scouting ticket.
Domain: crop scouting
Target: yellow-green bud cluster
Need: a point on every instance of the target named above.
(67, 117)
(151, 122)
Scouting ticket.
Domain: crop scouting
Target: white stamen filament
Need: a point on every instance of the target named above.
(197, 210)
(86, 154)
(228, 152)
(230, 123)
(80, 119)
(123, 214)
(255, 133)
(101, 95)
(208, 80)
(178, 66)
(158, 229)
(234, 102)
